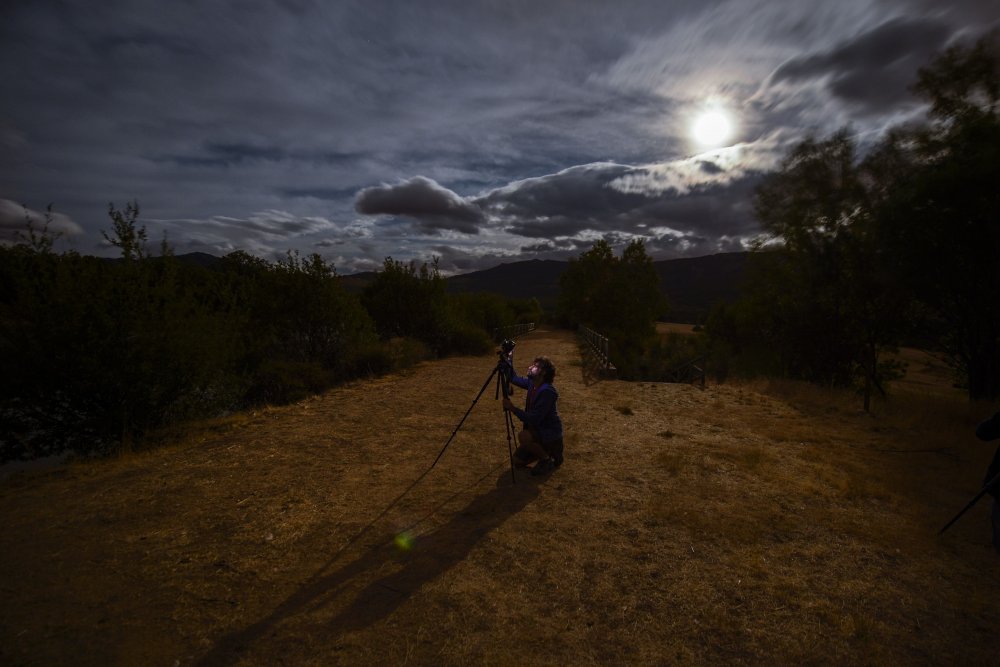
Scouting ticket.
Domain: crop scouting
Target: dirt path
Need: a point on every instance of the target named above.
(686, 526)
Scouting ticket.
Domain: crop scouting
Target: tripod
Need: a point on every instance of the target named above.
(502, 371)
(982, 492)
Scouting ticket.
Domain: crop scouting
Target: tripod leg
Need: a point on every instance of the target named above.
(474, 401)
(508, 420)
(972, 502)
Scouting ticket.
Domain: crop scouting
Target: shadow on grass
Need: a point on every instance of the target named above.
(430, 556)
(591, 370)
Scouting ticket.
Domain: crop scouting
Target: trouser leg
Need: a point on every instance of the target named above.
(995, 519)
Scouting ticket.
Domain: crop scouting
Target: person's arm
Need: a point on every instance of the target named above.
(523, 383)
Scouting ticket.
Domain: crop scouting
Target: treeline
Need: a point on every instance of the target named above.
(98, 354)
(620, 298)
(900, 243)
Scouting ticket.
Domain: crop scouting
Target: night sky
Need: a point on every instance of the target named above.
(477, 132)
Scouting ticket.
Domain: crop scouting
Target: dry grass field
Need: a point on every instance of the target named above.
(664, 328)
(753, 523)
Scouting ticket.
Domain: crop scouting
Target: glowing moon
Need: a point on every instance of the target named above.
(711, 128)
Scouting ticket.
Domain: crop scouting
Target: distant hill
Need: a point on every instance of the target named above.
(692, 285)
(538, 278)
(202, 259)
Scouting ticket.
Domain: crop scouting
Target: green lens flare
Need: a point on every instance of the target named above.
(403, 541)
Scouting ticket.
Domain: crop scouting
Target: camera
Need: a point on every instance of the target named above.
(506, 354)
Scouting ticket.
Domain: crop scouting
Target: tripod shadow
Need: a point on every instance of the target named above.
(431, 555)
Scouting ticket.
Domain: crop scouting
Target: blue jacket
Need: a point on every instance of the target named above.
(990, 430)
(541, 414)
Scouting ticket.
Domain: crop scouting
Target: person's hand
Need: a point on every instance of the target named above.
(507, 405)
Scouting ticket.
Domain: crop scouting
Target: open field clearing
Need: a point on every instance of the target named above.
(664, 328)
(766, 522)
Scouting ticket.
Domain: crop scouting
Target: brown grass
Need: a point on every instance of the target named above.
(756, 523)
(664, 328)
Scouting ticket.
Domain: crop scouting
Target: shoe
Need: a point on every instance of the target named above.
(559, 460)
(543, 468)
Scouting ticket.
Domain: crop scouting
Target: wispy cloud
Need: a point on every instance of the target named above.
(16, 219)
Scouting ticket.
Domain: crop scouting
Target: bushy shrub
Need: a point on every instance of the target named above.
(464, 338)
(380, 357)
(664, 358)
(280, 381)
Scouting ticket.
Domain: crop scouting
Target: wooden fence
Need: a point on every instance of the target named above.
(598, 347)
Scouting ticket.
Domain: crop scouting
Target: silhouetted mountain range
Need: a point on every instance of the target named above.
(692, 285)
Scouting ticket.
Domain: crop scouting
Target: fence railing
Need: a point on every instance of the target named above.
(690, 371)
(598, 347)
(513, 331)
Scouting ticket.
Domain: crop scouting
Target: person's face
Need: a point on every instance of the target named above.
(535, 374)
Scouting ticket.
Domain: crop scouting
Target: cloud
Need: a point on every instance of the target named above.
(15, 218)
(267, 233)
(873, 70)
(717, 167)
(681, 199)
(435, 208)
(233, 154)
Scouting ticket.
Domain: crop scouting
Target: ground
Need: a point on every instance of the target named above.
(744, 523)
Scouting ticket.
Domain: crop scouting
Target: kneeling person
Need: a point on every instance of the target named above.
(542, 437)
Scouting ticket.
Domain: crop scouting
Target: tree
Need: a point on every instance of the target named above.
(412, 302)
(946, 220)
(583, 293)
(124, 233)
(319, 321)
(832, 304)
(41, 240)
(618, 297)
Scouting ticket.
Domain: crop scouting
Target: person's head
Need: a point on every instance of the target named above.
(545, 370)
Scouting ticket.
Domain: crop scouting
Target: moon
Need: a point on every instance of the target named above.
(711, 128)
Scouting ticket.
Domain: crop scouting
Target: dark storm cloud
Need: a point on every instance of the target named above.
(875, 69)
(712, 211)
(434, 207)
(573, 192)
(637, 201)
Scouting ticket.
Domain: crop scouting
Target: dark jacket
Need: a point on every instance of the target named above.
(541, 414)
(990, 430)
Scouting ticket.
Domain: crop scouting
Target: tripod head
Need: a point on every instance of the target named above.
(505, 366)
(506, 351)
